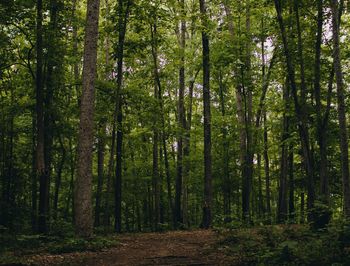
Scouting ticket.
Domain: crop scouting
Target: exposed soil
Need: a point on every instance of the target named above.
(171, 248)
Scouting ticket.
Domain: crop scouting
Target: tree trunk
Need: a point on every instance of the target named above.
(159, 106)
(341, 108)
(282, 189)
(59, 178)
(40, 145)
(122, 23)
(299, 110)
(291, 184)
(226, 186)
(181, 118)
(83, 185)
(208, 194)
(267, 171)
(100, 172)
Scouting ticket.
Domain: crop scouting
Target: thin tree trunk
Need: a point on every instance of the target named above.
(302, 126)
(100, 172)
(282, 189)
(291, 184)
(158, 97)
(40, 148)
(34, 187)
(341, 108)
(181, 119)
(59, 178)
(267, 171)
(208, 193)
(122, 23)
(226, 186)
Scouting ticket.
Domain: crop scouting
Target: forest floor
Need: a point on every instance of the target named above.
(198, 247)
(259, 245)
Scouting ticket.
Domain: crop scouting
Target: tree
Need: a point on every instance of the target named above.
(41, 168)
(208, 197)
(83, 183)
(341, 108)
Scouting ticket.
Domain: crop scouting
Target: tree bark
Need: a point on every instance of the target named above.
(40, 145)
(267, 171)
(83, 184)
(100, 172)
(282, 189)
(58, 180)
(122, 23)
(181, 118)
(159, 106)
(341, 108)
(208, 194)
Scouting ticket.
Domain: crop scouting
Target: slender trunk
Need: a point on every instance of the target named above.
(83, 182)
(34, 213)
(282, 190)
(181, 118)
(267, 171)
(59, 178)
(341, 108)
(291, 184)
(70, 198)
(100, 172)
(321, 122)
(302, 125)
(248, 106)
(260, 196)
(40, 145)
(302, 208)
(158, 97)
(208, 193)
(110, 167)
(168, 180)
(225, 155)
(122, 23)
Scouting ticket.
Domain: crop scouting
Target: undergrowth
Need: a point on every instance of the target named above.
(15, 248)
(288, 245)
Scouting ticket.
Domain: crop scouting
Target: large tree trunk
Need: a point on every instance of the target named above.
(341, 108)
(208, 193)
(83, 185)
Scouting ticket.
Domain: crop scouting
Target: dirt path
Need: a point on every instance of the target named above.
(170, 248)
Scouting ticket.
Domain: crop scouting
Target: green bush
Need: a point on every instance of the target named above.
(290, 245)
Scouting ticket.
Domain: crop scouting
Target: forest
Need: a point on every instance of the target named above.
(139, 123)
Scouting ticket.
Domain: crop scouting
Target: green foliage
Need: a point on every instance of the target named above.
(15, 249)
(289, 245)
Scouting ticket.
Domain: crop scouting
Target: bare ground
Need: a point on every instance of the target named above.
(171, 248)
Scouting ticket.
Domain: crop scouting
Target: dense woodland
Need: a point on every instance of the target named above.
(133, 115)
